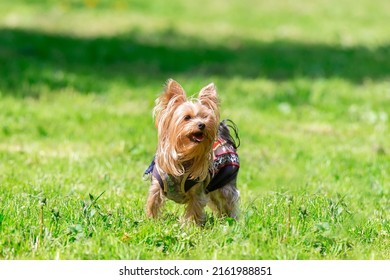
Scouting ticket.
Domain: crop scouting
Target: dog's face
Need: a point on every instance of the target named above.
(187, 128)
(192, 128)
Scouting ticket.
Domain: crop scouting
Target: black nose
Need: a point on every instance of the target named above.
(201, 126)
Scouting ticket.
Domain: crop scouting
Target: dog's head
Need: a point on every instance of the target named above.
(187, 129)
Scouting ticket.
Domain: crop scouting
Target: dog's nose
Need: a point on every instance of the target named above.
(201, 126)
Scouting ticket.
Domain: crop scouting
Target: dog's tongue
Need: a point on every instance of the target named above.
(198, 136)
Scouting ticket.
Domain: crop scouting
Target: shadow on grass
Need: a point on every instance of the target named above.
(32, 60)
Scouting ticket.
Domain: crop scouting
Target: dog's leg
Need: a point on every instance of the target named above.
(225, 201)
(155, 199)
(195, 206)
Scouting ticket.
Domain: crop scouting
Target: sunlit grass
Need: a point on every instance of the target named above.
(306, 83)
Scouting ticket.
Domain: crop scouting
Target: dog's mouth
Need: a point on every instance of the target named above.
(197, 137)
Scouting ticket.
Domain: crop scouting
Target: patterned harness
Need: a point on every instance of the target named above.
(224, 169)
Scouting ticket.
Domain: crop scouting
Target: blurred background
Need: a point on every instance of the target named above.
(286, 70)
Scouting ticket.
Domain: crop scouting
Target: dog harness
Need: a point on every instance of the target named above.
(224, 169)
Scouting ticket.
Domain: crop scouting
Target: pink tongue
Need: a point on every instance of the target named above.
(199, 137)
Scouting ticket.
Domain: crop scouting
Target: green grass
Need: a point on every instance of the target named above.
(306, 83)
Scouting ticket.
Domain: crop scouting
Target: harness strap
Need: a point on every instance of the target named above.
(166, 181)
(186, 185)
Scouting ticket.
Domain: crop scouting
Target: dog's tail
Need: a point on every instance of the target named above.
(225, 127)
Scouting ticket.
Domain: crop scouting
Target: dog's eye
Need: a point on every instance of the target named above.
(187, 117)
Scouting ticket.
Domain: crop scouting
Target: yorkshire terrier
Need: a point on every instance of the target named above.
(196, 161)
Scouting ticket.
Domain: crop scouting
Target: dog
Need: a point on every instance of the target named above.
(196, 162)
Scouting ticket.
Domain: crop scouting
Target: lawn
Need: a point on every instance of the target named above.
(308, 85)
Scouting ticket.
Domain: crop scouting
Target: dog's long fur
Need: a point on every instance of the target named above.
(187, 130)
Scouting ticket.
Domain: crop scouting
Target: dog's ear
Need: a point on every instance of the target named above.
(173, 92)
(172, 96)
(209, 98)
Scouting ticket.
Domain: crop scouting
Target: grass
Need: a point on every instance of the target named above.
(306, 83)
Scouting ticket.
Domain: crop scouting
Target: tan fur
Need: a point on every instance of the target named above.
(186, 148)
